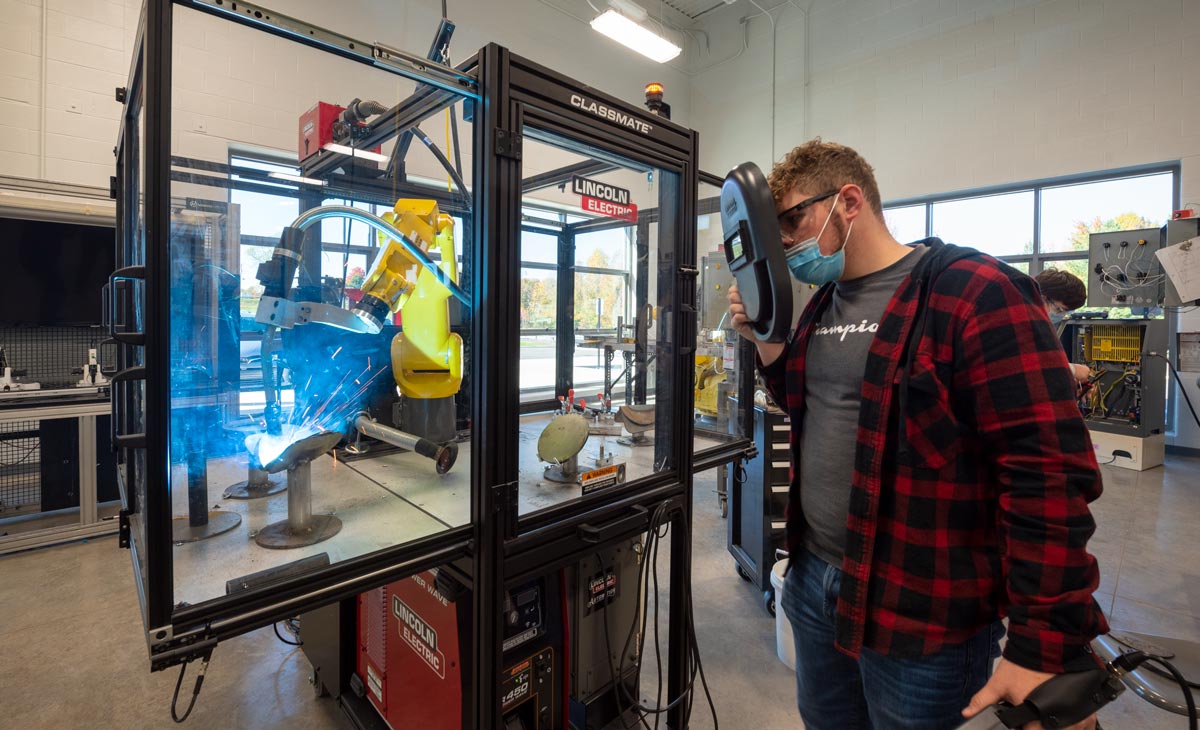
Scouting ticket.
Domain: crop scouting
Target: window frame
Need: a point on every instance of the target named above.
(1037, 258)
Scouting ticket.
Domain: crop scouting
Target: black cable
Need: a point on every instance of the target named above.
(455, 147)
(691, 619)
(1183, 685)
(437, 152)
(195, 689)
(1179, 382)
(279, 636)
(612, 669)
(650, 553)
(1130, 661)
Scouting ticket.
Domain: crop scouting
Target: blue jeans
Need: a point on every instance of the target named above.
(875, 692)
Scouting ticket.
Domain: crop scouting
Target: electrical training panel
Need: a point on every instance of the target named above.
(1123, 270)
(1127, 387)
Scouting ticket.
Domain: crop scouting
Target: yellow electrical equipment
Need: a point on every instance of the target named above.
(708, 375)
(426, 355)
(1113, 343)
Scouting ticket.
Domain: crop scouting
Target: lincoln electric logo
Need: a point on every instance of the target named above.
(612, 115)
(419, 636)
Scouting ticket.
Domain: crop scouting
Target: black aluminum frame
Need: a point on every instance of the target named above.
(499, 546)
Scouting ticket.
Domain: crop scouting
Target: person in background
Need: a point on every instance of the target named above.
(1063, 293)
(941, 470)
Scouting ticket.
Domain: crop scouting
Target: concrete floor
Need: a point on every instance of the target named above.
(73, 654)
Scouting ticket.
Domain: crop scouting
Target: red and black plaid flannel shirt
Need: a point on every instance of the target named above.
(972, 472)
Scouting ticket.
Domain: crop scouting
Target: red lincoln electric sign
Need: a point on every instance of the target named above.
(604, 199)
(612, 210)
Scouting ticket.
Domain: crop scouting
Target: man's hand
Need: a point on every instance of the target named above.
(768, 352)
(1013, 683)
(1081, 372)
(737, 314)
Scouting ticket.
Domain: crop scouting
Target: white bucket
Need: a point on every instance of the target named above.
(784, 646)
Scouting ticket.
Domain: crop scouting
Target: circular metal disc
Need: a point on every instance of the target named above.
(218, 522)
(563, 438)
(245, 490)
(280, 536)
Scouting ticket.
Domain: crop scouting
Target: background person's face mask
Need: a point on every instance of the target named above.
(809, 265)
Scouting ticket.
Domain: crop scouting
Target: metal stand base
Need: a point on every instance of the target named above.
(566, 472)
(248, 489)
(302, 527)
(218, 522)
(281, 535)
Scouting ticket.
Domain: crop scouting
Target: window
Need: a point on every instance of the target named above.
(607, 249)
(261, 219)
(906, 223)
(1071, 212)
(1001, 225)
(602, 296)
(1042, 225)
(539, 309)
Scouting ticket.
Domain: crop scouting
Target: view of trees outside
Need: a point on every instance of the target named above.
(599, 298)
(539, 297)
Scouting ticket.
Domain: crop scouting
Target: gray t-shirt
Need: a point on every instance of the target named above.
(837, 357)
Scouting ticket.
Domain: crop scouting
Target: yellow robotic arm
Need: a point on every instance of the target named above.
(426, 355)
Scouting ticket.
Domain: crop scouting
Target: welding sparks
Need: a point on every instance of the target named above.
(335, 354)
(267, 448)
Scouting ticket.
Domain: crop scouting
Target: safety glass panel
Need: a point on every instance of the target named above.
(614, 284)
(319, 310)
(719, 351)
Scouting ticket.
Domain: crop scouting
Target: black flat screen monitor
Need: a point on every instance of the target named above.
(51, 274)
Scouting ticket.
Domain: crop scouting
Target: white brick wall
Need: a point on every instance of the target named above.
(87, 47)
(237, 85)
(942, 95)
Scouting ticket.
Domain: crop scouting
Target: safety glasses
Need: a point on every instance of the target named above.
(790, 219)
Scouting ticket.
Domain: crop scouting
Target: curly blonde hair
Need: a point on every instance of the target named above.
(817, 166)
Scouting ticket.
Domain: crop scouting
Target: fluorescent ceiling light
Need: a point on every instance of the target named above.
(296, 178)
(631, 35)
(355, 152)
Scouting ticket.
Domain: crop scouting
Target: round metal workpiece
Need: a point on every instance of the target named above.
(562, 438)
(281, 535)
(218, 522)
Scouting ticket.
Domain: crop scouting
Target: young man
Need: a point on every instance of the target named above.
(941, 470)
(1063, 293)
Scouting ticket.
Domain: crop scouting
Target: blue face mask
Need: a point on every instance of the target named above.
(809, 265)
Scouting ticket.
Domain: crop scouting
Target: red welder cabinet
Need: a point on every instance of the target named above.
(316, 128)
(409, 654)
(412, 639)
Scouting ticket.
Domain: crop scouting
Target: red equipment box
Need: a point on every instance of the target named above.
(316, 128)
(409, 654)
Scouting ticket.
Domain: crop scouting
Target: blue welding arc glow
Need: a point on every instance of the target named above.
(310, 217)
